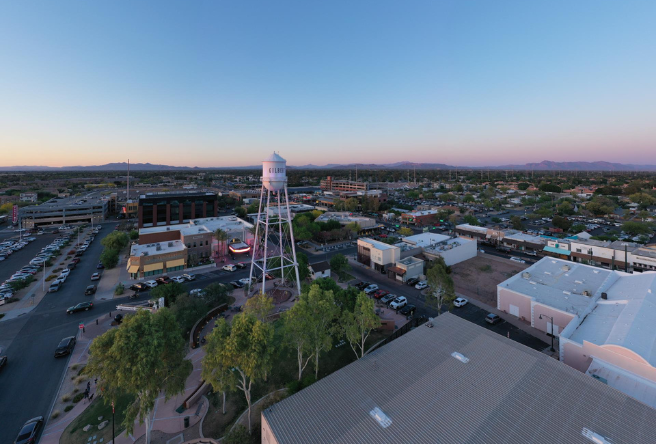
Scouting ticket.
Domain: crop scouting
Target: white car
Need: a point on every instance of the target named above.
(196, 292)
(189, 276)
(65, 272)
(370, 289)
(245, 281)
(229, 267)
(421, 285)
(460, 302)
(178, 279)
(399, 302)
(151, 284)
(516, 259)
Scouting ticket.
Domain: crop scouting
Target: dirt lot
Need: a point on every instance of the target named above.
(478, 278)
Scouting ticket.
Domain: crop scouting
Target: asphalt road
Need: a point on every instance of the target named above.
(32, 376)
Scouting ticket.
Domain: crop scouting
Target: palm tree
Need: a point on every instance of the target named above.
(221, 237)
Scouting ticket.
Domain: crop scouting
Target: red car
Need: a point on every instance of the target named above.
(75, 260)
(380, 293)
(71, 252)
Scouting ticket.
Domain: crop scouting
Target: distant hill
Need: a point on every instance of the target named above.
(546, 165)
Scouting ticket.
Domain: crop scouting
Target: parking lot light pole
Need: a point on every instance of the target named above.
(552, 330)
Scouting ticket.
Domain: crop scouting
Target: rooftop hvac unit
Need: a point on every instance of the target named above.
(566, 267)
(586, 293)
(526, 275)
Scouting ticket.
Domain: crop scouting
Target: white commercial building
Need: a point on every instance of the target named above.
(345, 218)
(452, 250)
(377, 255)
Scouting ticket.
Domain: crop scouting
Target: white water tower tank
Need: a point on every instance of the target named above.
(274, 172)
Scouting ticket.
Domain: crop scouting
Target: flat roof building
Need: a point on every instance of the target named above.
(172, 208)
(156, 258)
(90, 208)
(345, 218)
(457, 383)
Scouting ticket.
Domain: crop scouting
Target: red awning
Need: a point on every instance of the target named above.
(398, 270)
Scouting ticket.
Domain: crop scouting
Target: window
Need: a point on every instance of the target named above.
(199, 209)
(175, 211)
(147, 214)
(161, 211)
(206, 243)
(186, 210)
(194, 244)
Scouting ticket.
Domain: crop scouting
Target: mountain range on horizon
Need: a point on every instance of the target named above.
(545, 165)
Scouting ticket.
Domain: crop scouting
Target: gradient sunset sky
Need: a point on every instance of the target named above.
(224, 83)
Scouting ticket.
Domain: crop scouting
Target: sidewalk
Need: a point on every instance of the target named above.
(164, 416)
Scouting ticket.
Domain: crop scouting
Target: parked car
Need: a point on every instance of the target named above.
(65, 347)
(100, 266)
(240, 265)
(163, 280)
(245, 281)
(76, 260)
(30, 431)
(460, 302)
(531, 253)
(370, 289)
(398, 303)
(189, 276)
(237, 284)
(178, 279)
(362, 285)
(95, 277)
(71, 266)
(492, 318)
(387, 298)
(54, 287)
(229, 267)
(412, 282)
(516, 259)
(151, 284)
(267, 276)
(139, 287)
(82, 306)
(380, 293)
(408, 310)
(90, 290)
(3, 361)
(65, 272)
(118, 318)
(196, 292)
(421, 285)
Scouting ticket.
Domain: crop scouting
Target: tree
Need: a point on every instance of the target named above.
(187, 310)
(339, 263)
(247, 350)
(169, 292)
(216, 294)
(109, 258)
(522, 186)
(143, 357)
(214, 370)
(561, 222)
(221, 237)
(643, 199)
(134, 235)
(296, 328)
(600, 206)
(405, 231)
(566, 208)
(550, 188)
(116, 240)
(516, 223)
(471, 220)
(469, 198)
(354, 227)
(577, 228)
(6, 208)
(351, 204)
(259, 306)
(323, 313)
(441, 285)
(240, 211)
(635, 228)
(357, 325)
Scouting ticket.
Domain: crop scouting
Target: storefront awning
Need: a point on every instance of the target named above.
(175, 263)
(398, 270)
(153, 267)
(557, 250)
(133, 268)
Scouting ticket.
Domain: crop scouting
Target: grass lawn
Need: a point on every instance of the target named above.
(74, 433)
(345, 277)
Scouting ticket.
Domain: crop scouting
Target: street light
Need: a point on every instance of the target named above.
(552, 329)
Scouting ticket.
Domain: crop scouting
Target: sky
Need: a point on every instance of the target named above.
(224, 83)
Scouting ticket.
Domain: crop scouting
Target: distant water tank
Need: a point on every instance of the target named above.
(274, 172)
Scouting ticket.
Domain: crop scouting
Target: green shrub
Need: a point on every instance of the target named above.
(51, 277)
(120, 288)
(68, 408)
(66, 397)
(56, 414)
(77, 398)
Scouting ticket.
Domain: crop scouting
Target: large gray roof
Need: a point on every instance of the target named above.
(506, 393)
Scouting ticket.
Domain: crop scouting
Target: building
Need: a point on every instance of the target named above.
(91, 208)
(644, 258)
(28, 197)
(171, 208)
(519, 241)
(404, 269)
(452, 250)
(457, 383)
(345, 218)
(604, 319)
(479, 234)
(377, 255)
(156, 258)
(199, 239)
(420, 218)
(319, 270)
(602, 253)
(330, 184)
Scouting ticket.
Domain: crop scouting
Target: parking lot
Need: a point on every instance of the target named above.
(22, 257)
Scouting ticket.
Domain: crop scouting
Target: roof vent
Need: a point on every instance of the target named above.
(382, 419)
(604, 295)
(594, 437)
(586, 293)
(566, 292)
(460, 357)
(565, 267)
(526, 275)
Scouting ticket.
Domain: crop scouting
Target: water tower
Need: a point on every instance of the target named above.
(274, 251)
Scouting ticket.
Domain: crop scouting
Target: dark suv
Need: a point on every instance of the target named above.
(412, 282)
(65, 347)
(91, 289)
